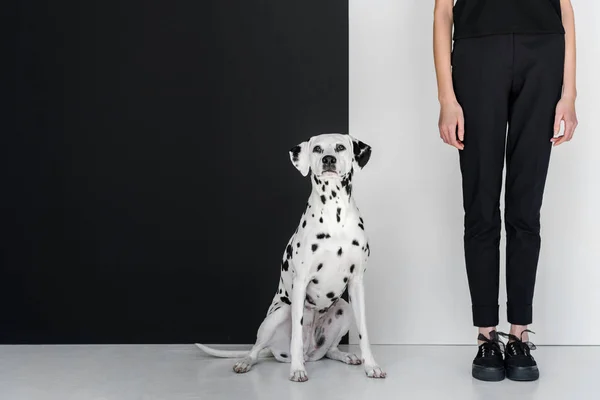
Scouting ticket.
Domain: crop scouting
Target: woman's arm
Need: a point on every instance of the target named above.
(451, 119)
(565, 109)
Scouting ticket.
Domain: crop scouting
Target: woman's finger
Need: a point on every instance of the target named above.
(453, 139)
(443, 135)
(559, 140)
(461, 128)
(557, 119)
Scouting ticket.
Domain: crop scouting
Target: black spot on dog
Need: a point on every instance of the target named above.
(302, 321)
(330, 295)
(286, 300)
(329, 322)
(340, 252)
(339, 312)
(331, 198)
(288, 250)
(321, 220)
(285, 265)
(295, 151)
(280, 291)
(322, 235)
(304, 224)
(283, 355)
(338, 213)
(320, 341)
(352, 268)
(323, 188)
(355, 242)
(333, 193)
(315, 281)
(310, 300)
(361, 220)
(361, 226)
(286, 293)
(319, 267)
(327, 182)
(316, 179)
(298, 244)
(360, 336)
(368, 249)
(314, 247)
(345, 279)
(323, 199)
(313, 215)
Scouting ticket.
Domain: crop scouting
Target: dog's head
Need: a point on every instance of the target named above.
(330, 155)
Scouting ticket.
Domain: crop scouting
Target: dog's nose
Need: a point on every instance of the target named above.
(329, 160)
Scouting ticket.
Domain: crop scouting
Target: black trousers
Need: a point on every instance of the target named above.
(516, 81)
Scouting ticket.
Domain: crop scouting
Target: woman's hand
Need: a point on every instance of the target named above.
(452, 124)
(565, 111)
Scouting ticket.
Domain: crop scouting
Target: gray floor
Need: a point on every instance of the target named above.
(184, 373)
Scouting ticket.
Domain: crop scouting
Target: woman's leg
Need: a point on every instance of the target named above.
(482, 74)
(537, 85)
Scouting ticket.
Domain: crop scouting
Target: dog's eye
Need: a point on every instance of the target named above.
(317, 149)
(340, 147)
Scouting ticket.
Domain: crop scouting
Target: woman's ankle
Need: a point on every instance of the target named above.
(519, 331)
(485, 331)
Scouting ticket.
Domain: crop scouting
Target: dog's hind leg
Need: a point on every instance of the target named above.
(342, 320)
(267, 329)
(330, 330)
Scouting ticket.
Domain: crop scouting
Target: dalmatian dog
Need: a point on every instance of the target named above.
(327, 253)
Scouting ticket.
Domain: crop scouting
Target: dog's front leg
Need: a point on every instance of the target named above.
(356, 291)
(297, 371)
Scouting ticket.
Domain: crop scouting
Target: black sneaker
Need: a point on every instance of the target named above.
(519, 364)
(488, 365)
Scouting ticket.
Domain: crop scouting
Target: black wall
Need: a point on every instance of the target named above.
(146, 189)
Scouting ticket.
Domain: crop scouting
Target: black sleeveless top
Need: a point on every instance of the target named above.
(490, 17)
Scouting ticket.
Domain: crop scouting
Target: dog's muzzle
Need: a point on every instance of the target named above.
(329, 164)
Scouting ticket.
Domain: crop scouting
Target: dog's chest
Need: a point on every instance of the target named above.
(332, 260)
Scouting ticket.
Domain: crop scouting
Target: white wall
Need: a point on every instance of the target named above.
(410, 192)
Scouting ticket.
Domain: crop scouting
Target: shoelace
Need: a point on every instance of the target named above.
(517, 346)
(491, 346)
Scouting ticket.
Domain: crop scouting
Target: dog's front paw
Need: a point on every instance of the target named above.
(243, 366)
(373, 371)
(352, 359)
(298, 375)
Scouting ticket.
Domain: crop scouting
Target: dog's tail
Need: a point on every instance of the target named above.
(230, 353)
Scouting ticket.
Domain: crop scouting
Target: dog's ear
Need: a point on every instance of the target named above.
(362, 152)
(299, 157)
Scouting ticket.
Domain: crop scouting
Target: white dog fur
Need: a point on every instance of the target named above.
(327, 253)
